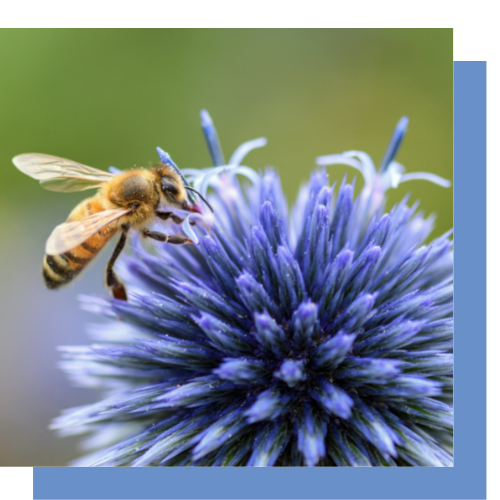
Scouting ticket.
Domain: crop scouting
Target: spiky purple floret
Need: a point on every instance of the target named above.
(323, 339)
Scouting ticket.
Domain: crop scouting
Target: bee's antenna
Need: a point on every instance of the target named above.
(192, 189)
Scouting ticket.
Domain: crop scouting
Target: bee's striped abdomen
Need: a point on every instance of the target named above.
(58, 270)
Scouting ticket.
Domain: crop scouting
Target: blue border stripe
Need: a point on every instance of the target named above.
(470, 274)
(467, 479)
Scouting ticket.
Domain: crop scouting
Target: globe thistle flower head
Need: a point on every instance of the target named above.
(316, 336)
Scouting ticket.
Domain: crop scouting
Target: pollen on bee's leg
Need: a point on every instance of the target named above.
(116, 285)
(119, 292)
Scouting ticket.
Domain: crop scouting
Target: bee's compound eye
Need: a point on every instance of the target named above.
(168, 186)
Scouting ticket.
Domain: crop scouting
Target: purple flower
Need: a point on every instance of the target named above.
(320, 336)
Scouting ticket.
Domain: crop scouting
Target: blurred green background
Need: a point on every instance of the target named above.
(109, 97)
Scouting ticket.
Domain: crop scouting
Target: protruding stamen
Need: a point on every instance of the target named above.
(394, 144)
(390, 173)
(436, 179)
(245, 148)
(211, 178)
(341, 159)
(206, 177)
(356, 159)
(212, 139)
(165, 158)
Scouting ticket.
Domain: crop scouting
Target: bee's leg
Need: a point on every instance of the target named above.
(112, 281)
(174, 218)
(154, 235)
(174, 239)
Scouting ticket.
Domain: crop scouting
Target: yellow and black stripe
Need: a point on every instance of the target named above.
(59, 270)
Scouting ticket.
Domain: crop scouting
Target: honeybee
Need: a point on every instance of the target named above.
(125, 202)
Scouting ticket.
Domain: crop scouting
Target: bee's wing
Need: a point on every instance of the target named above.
(59, 174)
(69, 235)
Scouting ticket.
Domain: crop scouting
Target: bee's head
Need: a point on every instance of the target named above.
(174, 192)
